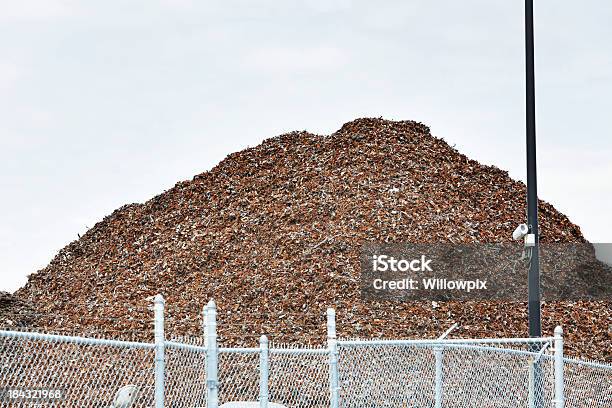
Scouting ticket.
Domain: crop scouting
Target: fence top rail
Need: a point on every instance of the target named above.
(240, 350)
(587, 363)
(57, 338)
(477, 347)
(488, 349)
(184, 346)
(255, 350)
(323, 351)
(389, 342)
(299, 351)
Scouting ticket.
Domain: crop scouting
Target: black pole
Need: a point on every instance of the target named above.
(535, 329)
(535, 326)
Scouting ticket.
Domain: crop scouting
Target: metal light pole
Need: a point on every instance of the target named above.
(535, 327)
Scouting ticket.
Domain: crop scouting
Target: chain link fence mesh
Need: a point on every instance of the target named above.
(385, 376)
(371, 373)
(185, 373)
(299, 377)
(495, 376)
(86, 374)
(238, 376)
(469, 375)
(587, 384)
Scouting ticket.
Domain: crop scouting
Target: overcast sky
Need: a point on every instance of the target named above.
(111, 102)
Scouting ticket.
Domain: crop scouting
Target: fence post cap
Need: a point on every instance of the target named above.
(211, 304)
(263, 339)
(558, 331)
(331, 311)
(159, 299)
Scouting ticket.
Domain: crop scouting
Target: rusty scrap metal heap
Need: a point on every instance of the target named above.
(273, 234)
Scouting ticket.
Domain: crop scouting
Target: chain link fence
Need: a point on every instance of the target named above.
(299, 377)
(587, 384)
(196, 372)
(185, 373)
(66, 371)
(443, 374)
(238, 375)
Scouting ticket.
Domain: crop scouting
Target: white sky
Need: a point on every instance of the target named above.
(111, 102)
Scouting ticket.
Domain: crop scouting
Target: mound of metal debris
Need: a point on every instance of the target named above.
(273, 234)
(15, 312)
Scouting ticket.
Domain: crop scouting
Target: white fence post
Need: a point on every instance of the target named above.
(559, 391)
(531, 385)
(158, 307)
(263, 371)
(204, 318)
(333, 358)
(439, 367)
(438, 390)
(212, 355)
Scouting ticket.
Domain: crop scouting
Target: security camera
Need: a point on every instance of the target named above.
(520, 232)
